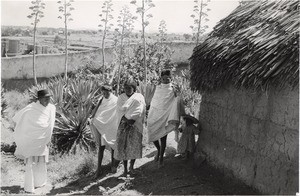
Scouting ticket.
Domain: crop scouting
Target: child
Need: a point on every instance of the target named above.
(187, 144)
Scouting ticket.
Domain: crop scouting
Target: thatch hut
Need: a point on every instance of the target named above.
(248, 73)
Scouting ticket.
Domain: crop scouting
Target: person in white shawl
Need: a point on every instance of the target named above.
(164, 114)
(131, 112)
(104, 126)
(33, 131)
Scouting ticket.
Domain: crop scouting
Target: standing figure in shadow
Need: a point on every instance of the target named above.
(131, 109)
(164, 114)
(104, 126)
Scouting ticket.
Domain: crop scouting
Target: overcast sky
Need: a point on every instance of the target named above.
(176, 13)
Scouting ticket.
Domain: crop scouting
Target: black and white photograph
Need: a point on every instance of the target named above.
(150, 97)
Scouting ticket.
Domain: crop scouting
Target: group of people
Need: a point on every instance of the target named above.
(117, 125)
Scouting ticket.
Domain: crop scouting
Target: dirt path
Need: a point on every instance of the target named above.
(175, 178)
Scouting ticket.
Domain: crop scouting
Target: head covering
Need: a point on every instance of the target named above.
(193, 119)
(166, 72)
(106, 87)
(43, 93)
(131, 82)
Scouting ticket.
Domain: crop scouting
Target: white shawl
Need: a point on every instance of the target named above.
(33, 131)
(133, 108)
(105, 120)
(164, 113)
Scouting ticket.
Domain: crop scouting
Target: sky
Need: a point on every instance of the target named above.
(176, 13)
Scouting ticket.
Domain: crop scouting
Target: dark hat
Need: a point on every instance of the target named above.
(193, 119)
(43, 93)
(106, 87)
(165, 72)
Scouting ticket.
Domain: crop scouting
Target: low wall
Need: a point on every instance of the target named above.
(48, 65)
(253, 136)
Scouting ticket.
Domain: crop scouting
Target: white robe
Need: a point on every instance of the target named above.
(164, 113)
(105, 120)
(33, 131)
(133, 108)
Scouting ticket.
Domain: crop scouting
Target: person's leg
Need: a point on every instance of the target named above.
(163, 142)
(28, 183)
(125, 168)
(100, 158)
(132, 161)
(113, 162)
(39, 172)
(156, 144)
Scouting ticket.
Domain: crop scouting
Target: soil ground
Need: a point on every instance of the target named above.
(176, 177)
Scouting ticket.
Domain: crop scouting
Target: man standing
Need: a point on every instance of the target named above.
(104, 126)
(164, 114)
(33, 131)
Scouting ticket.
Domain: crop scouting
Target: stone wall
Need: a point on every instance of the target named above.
(254, 136)
(48, 65)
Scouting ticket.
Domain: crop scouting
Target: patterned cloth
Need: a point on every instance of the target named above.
(187, 139)
(129, 137)
(129, 141)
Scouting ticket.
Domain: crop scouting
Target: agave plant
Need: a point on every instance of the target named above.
(75, 99)
(76, 102)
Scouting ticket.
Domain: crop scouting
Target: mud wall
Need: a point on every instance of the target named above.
(48, 65)
(254, 136)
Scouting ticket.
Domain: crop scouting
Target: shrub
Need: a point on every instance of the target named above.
(192, 99)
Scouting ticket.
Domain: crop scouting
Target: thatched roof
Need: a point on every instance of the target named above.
(256, 46)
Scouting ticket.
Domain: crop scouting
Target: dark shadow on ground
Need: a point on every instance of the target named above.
(180, 178)
(169, 152)
(80, 183)
(11, 190)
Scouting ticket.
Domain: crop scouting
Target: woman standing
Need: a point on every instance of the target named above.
(131, 109)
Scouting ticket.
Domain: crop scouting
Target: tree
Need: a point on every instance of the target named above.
(162, 29)
(36, 15)
(200, 17)
(65, 9)
(106, 17)
(126, 24)
(142, 10)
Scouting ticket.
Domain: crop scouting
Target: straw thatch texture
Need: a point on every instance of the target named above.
(256, 46)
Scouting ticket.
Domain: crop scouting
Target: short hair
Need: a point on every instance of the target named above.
(165, 72)
(131, 82)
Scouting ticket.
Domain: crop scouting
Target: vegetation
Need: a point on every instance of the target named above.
(200, 16)
(142, 11)
(106, 17)
(36, 15)
(65, 8)
(125, 27)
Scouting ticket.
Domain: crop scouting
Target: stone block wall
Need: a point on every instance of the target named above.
(254, 135)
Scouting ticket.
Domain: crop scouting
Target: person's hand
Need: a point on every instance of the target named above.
(176, 89)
